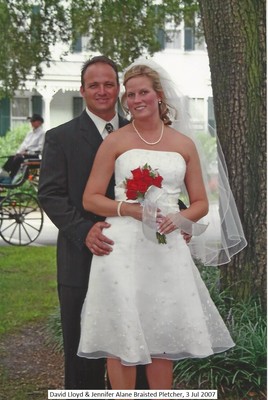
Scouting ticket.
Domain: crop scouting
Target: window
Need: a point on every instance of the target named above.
(173, 39)
(20, 110)
(196, 109)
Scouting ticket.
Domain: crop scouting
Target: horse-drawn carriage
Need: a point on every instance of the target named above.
(21, 215)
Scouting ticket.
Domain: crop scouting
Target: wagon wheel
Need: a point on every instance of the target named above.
(21, 218)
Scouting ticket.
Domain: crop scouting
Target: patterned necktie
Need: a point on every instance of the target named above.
(109, 127)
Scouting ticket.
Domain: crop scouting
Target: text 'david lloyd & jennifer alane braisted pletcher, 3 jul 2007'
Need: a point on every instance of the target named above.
(132, 394)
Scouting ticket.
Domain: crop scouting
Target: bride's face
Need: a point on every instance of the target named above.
(142, 99)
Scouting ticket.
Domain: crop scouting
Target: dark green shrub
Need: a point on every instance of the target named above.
(12, 140)
(53, 331)
(241, 371)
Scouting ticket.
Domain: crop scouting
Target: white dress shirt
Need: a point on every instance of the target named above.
(33, 141)
(100, 123)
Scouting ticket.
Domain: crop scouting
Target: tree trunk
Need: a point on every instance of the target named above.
(235, 32)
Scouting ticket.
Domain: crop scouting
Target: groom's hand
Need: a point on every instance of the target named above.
(97, 242)
(186, 237)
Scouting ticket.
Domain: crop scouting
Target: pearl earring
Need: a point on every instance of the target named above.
(159, 101)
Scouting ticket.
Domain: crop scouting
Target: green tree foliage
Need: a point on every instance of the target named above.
(126, 29)
(26, 35)
(120, 29)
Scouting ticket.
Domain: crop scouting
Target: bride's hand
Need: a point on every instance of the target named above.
(166, 225)
(133, 210)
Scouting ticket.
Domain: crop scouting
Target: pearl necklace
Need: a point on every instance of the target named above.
(145, 141)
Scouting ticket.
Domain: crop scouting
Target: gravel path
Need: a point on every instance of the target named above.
(26, 359)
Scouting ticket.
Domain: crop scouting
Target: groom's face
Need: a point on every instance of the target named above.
(100, 90)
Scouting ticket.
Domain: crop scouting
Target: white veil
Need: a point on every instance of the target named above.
(224, 236)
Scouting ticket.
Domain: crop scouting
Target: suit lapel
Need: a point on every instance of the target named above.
(89, 131)
(122, 121)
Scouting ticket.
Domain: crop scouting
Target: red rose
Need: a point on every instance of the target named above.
(158, 181)
(131, 194)
(142, 187)
(131, 184)
(137, 173)
(146, 172)
(143, 178)
(148, 179)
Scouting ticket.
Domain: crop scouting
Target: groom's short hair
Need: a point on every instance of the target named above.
(99, 59)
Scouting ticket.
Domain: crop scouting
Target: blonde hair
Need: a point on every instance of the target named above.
(144, 70)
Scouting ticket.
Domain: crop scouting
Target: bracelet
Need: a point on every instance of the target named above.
(119, 208)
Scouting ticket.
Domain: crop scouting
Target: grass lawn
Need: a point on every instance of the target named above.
(28, 294)
(27, 285)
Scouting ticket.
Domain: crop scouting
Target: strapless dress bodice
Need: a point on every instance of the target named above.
(170, 165)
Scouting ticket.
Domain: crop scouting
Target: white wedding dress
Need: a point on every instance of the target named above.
(146, 299)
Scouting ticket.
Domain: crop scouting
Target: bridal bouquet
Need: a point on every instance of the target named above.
(136, 187)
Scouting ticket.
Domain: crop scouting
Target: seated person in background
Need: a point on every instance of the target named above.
(31, 147)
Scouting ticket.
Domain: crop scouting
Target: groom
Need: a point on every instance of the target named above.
(68, 156)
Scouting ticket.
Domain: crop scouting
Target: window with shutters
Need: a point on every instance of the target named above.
(196, 110)
(20, 110)
(173, 39)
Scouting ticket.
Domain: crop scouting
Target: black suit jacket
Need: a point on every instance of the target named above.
(67, 159)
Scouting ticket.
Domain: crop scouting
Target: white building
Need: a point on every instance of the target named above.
(57, 97)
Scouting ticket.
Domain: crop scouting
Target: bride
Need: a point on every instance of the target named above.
(146, 302)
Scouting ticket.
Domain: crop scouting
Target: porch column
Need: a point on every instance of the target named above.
(47, 94)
